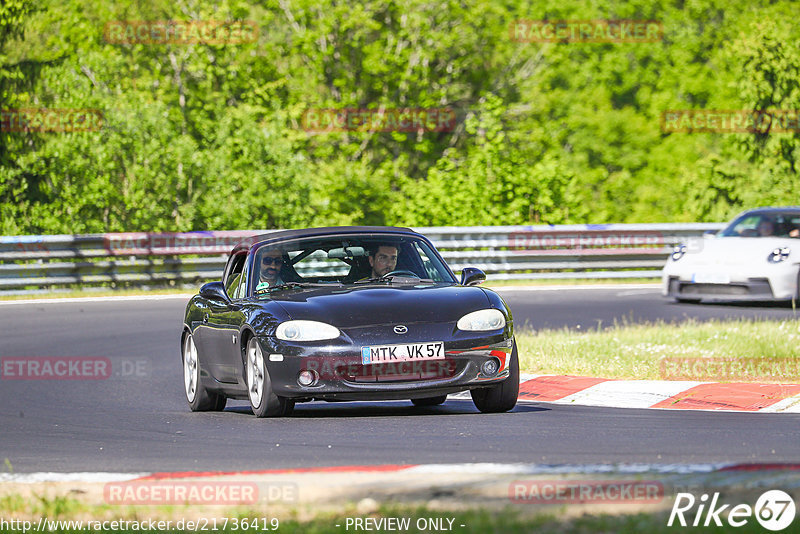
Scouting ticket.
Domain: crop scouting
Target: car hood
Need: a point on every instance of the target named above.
(354, 306)
(737, 250)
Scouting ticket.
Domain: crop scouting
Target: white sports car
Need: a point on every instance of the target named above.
(757, 257)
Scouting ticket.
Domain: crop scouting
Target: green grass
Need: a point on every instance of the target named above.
(101, 292)
(636, 351)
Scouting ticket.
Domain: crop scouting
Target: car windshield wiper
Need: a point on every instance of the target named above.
(392, 278)
(288, 285)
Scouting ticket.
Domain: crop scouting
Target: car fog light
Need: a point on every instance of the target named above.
(307, 378)
(490, 367)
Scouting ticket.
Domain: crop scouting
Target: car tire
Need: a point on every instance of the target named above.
(198, 397)
(430, 401)
(503, 396)
(797, 291)
(263, 400)
(220, 403)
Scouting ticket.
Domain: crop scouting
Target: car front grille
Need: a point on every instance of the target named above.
(713, 289)
(400, 371)
(754, 287)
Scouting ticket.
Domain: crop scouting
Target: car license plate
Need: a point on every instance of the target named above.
(405, 352)
(711, 278)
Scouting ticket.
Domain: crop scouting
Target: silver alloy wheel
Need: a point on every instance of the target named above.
(190, 367)
(255, 373)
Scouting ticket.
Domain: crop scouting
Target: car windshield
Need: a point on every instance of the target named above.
(765, 224)
(346, 260)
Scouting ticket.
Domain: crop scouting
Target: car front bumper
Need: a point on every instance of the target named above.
(774, 282)
(340, 375)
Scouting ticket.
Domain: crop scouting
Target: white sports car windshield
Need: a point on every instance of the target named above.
(765, 224)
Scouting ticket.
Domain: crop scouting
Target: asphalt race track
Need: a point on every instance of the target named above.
(137, 419)
(585, 308)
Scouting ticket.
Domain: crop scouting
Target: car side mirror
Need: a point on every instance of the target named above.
(471, 276)
(214, 291)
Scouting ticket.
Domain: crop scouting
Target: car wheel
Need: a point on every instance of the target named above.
(797, 291)
(263, 400)
(503, 396)
(429, 401)
(200, 400)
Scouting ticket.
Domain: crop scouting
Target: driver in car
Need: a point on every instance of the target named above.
(765, 227)
(383, 260)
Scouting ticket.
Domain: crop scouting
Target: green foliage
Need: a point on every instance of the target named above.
(12, 18)
(493, 180)
(209, 136)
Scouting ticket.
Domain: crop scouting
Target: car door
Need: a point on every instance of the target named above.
(222, 323)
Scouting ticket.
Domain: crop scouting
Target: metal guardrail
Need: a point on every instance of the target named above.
(37, 263)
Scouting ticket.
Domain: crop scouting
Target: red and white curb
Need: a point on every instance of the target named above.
(664, 394)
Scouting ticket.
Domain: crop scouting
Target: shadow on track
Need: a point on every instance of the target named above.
(324, 410)
(765, 304)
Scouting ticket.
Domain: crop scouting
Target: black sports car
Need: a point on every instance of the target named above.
(343, 314)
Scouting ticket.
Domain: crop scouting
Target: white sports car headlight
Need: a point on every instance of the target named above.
(306, 331)
(778, 255)
(482, 320)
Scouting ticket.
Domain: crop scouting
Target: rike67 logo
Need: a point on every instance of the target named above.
(774, 510)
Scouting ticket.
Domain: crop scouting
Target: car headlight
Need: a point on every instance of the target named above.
(306, 331)
(481, 320)
(778, 255)
(678, 252)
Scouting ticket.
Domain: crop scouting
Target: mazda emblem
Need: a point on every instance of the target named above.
(400, 329)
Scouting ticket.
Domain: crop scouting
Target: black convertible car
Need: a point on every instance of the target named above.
(344, 314)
